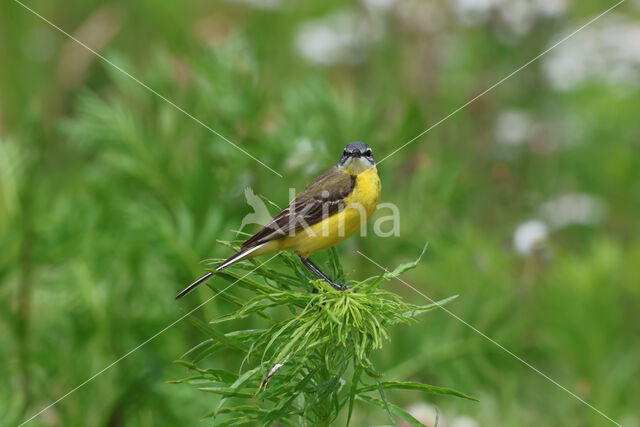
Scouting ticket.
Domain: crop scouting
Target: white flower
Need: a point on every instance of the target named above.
(303, 154)
(573, 208)
(529, 236)
(463, 421)
(378, 6)
(550, 8)
(518, 16)
(473, 12)
(342, 38)
(425, 413)
(512, 127)
(260, 4)
(608, 50)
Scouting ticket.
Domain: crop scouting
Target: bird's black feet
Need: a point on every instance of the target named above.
(338, 286)
(311, 266)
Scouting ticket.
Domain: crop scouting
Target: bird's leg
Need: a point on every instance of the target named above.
(311, 266)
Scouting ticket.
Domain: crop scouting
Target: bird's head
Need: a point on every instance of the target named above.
(356, 158)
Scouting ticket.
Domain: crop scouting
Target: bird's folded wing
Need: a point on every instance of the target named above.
(323, 198)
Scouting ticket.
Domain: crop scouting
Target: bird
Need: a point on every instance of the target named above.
(329, 210)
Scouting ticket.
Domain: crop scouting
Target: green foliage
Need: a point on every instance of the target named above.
(109, 198)
(312, 362)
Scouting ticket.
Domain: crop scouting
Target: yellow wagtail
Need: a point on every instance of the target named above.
(333, 207)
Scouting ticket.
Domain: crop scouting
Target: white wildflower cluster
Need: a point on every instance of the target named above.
(517, 15)
(260, 4)
(340, 38)
(608, 51)
(513, 127)
(429, 415)
(556, 213)
(345, 37)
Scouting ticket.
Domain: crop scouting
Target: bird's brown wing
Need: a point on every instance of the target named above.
(324, 197)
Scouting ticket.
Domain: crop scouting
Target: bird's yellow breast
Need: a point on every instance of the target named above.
(360, 204)
(366, 191)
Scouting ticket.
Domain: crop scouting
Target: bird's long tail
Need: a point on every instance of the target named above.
(243, 254)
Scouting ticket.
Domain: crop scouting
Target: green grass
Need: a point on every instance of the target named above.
(110, 198)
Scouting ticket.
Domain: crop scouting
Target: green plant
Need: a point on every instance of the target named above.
(310, 363)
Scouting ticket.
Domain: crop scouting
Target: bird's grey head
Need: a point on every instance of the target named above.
(357, 157)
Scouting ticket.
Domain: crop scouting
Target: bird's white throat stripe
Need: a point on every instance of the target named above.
(357, 165)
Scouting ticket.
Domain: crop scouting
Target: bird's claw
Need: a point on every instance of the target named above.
(336, 286)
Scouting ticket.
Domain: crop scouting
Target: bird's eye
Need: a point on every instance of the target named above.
(367, 153)
(344, 153)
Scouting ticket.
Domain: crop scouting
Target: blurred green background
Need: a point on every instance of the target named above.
(529, 197)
